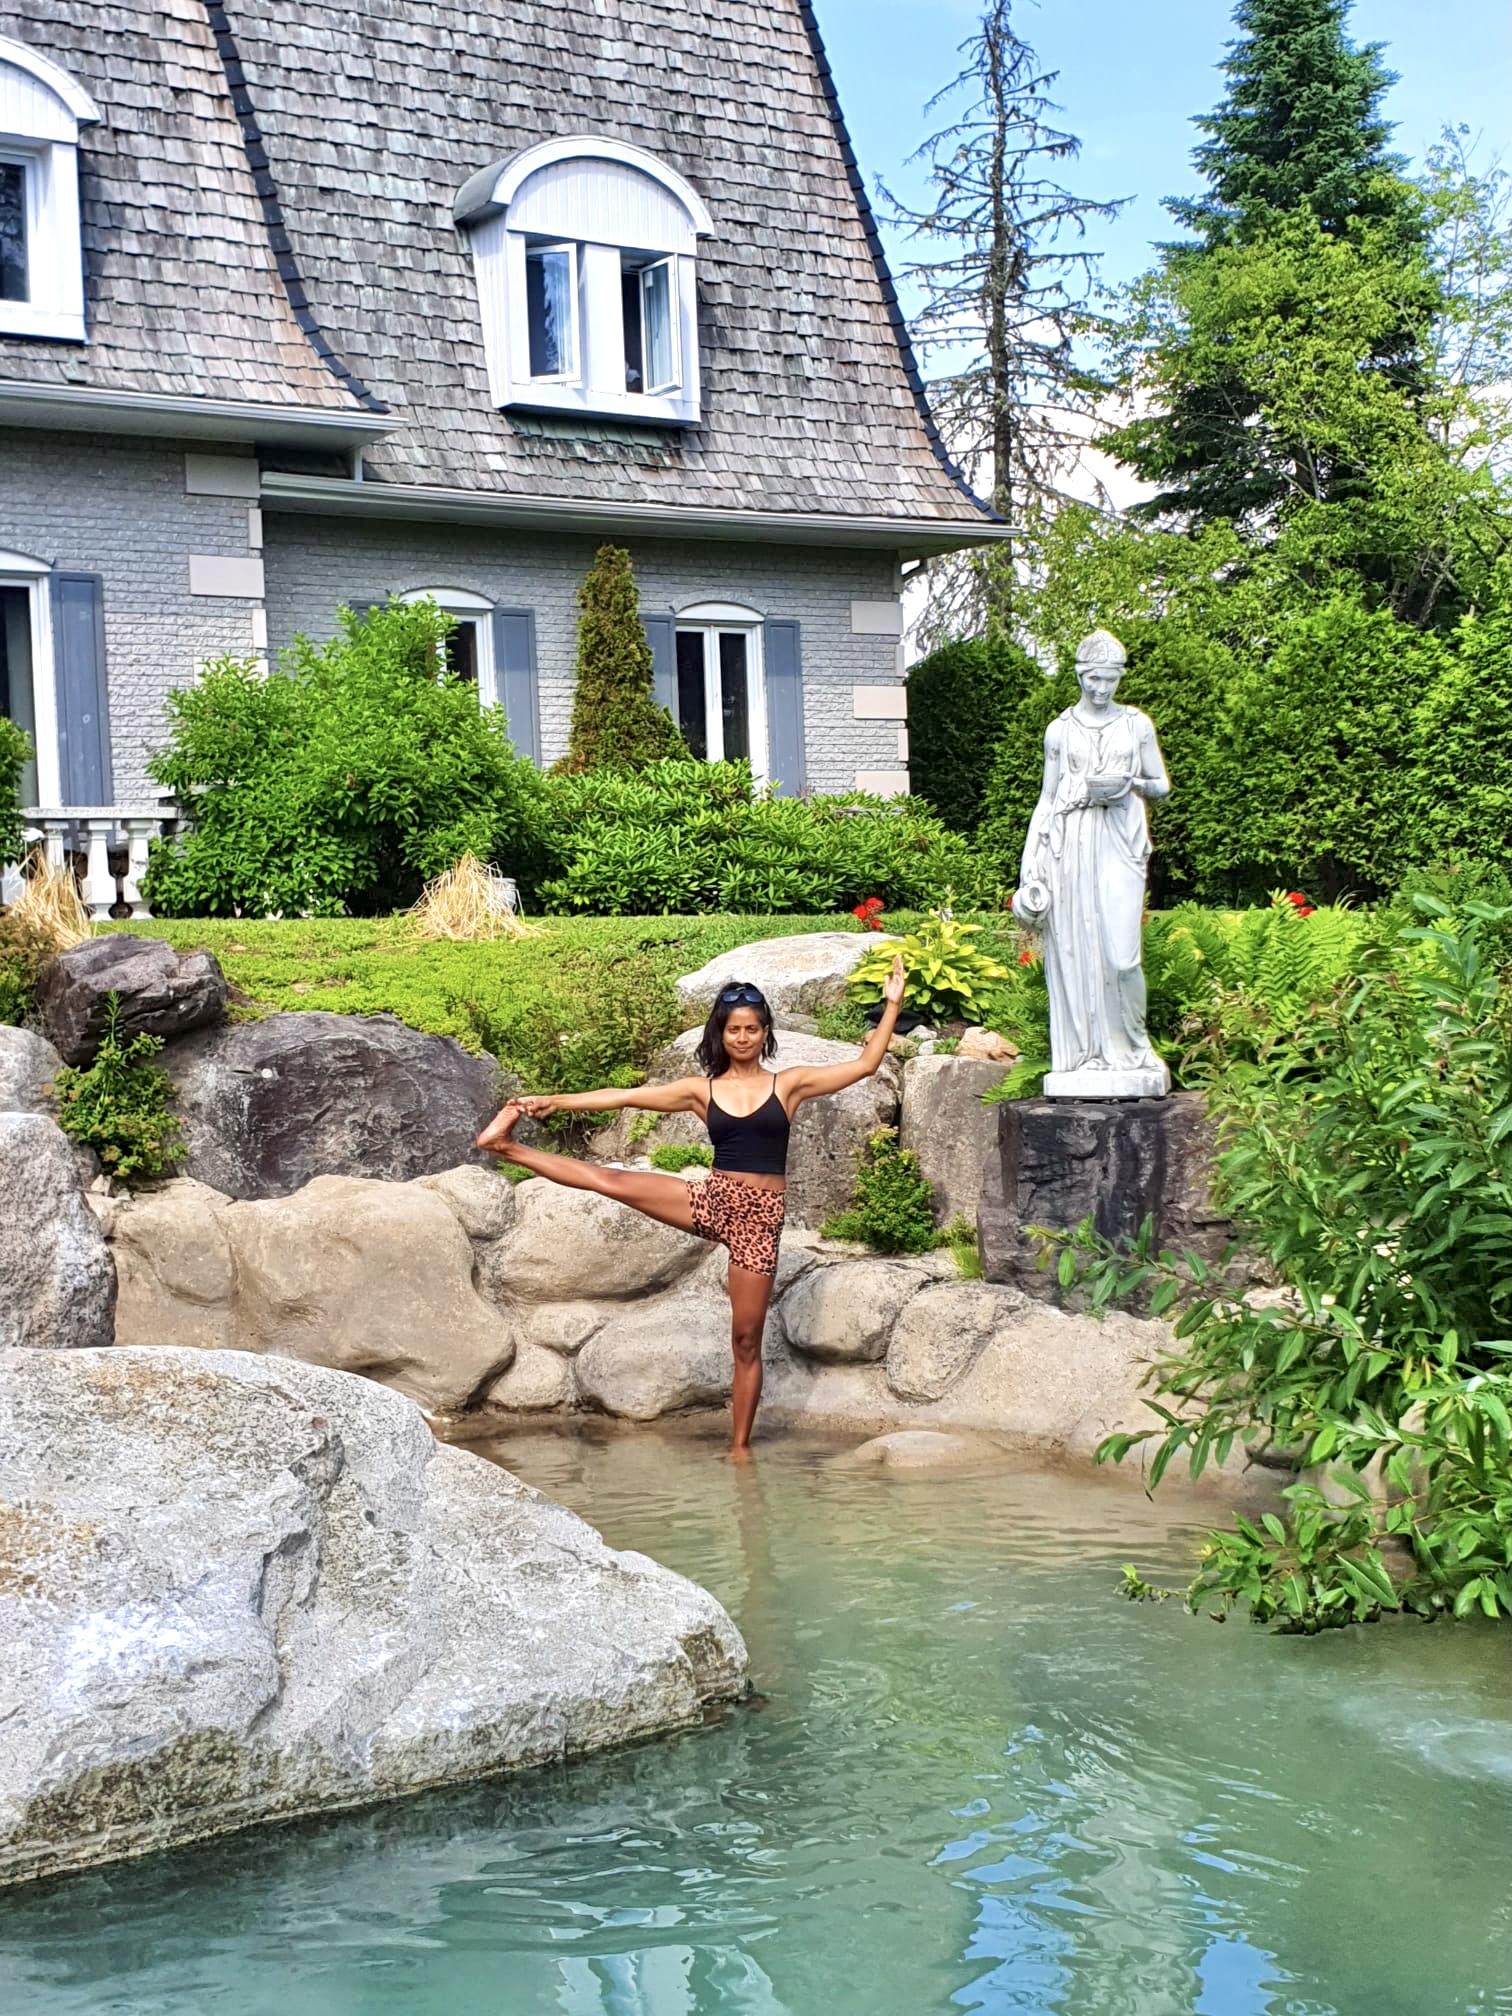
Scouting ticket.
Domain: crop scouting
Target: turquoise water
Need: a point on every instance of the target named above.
(975, 1779)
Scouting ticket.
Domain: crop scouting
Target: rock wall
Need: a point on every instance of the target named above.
(465, 1290)
(233, 1590)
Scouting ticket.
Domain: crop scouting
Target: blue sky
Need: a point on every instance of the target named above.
(1133, 76)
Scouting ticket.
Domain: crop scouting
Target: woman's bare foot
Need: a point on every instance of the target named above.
(496, 1135)
(740, 1452)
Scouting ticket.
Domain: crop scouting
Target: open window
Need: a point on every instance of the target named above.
(41, 258)
(720, 688)
(586, 252)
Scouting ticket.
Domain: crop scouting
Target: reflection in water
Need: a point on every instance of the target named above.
(974, 1778)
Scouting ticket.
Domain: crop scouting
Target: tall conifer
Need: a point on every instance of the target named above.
(616, 724)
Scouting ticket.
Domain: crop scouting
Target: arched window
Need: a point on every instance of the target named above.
(585, 254)
(41, 263)
(469, 644)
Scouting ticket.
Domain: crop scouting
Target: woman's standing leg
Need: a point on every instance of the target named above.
(749, 1295)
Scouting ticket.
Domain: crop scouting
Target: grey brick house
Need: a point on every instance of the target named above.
(305, 303)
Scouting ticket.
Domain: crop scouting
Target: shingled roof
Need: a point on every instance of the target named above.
(372, 113)
(184, 297)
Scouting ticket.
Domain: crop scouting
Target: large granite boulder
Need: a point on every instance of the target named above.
(946, 1125)
(28, 1065)
(576, 1245)
(939, 1334)
(161, 992)
(376, 1278)
(234, 1589)
(797, 975)
(843, 1313)
(828, 1134)
(1055, 1162)
(659, 1356)
(264, 1106)
(57, 1283)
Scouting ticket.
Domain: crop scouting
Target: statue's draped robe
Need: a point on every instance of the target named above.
(1094, 859)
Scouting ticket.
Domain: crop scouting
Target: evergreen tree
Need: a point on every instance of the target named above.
(1301, 124)
(616, 725)
(960, 699)
(1300, 131)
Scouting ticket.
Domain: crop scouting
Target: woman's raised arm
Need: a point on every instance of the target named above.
(813, 1081)
(683, 1095)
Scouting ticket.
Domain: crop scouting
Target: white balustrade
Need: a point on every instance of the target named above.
(89, 835)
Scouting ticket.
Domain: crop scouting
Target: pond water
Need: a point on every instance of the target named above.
(975, 1779)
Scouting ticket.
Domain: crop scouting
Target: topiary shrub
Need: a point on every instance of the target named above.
(893, 1211)
(348, 780)
(616, 724)
(960, 700)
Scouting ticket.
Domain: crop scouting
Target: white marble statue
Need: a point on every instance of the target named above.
(1082, 885)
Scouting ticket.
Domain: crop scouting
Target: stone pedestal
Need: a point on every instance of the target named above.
(1058, 1161)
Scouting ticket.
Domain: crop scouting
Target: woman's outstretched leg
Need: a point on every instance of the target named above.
(661, 1197)
(749, 1295)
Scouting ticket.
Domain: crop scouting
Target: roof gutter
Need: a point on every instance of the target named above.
(83, 409)
(909, 538)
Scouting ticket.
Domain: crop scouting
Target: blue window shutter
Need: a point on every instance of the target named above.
(78, 615)
(784, 698)
(660, 635)
(515, 674)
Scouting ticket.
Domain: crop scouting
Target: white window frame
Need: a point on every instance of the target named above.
(714, 620)
(477, 610)
(20, 570)
(669, 267)
(41, 111)
(616, 200)
(573, 375)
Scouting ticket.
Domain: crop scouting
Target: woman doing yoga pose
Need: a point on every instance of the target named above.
(748, 1112)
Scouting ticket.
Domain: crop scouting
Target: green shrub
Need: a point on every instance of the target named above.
(344, 783)
(1460, 792)
(673, 1156)
(1368, 1155)
(947, 976)
(960, 699)
(15, 754)
(689, 837)
(893, 1211)
(616, 725)
(118, 1105)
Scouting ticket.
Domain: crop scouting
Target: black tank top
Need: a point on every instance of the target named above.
(750, 1144)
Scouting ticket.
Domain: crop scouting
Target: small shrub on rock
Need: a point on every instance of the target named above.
(893, 1210)
(673, 1156)
(118, 1106)
(947, 974)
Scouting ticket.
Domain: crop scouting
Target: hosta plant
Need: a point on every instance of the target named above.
(947, 975)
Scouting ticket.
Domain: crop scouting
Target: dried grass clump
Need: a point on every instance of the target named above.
(49, 910)
(469, 902)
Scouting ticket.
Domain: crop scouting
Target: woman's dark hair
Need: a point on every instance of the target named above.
(711, 1056)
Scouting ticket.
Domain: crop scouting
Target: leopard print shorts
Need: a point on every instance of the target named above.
(738, 1215)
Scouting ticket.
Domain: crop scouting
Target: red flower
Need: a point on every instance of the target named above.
(869, 912)
(1026, 957)
(1299, 902)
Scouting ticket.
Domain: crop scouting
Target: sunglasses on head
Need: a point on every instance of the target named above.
(744, 996)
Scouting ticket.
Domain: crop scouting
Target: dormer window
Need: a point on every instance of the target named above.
(585, 253)
(41, 263)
